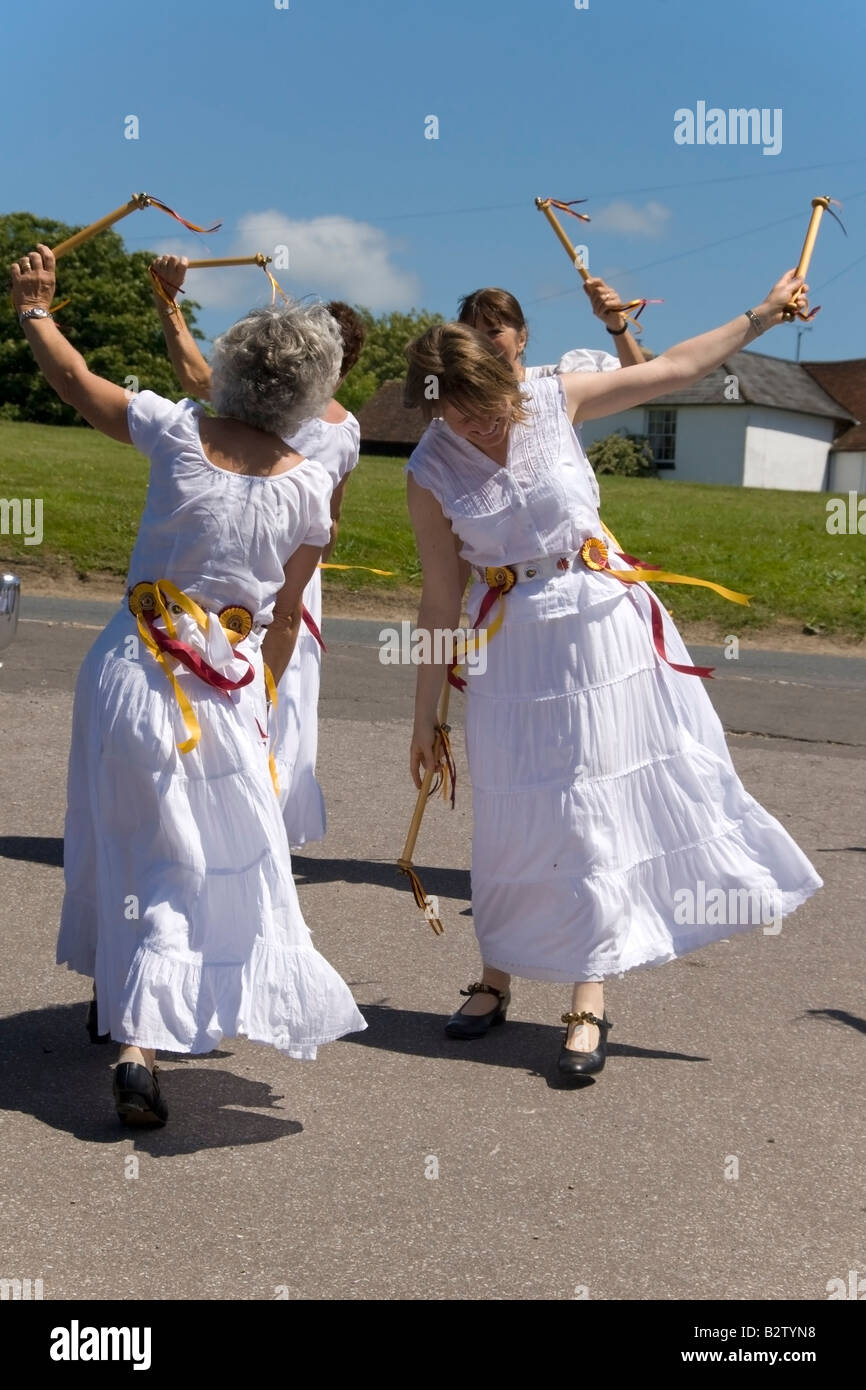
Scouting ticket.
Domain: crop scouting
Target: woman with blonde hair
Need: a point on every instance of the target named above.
(180, 902)
(603, 789)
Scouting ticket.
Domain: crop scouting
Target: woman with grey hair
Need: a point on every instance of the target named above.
(180, 901)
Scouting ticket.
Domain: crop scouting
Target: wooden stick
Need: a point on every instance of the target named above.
(819, 207)
(543, 205)
(138, 200)
(258, 259)
(421, 802)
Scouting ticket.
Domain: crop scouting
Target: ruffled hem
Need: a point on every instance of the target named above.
(288, 997)
(642, 958)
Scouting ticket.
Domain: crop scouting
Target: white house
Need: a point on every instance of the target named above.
(756, 422)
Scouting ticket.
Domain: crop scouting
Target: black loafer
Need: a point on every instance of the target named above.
(572, 1068)
(468, 1026)
(136, 1095)
(92, 1024)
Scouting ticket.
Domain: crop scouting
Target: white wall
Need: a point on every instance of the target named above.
(786, 450)
(710, 440)
(847, 472)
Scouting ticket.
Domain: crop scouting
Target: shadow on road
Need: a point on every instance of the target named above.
(839, 1016)
(52, 1072)
(33, 849)
(446, 883)
(532, 1047)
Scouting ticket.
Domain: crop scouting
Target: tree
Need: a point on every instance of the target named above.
(628, 455)
(111, 319)
(383, 356)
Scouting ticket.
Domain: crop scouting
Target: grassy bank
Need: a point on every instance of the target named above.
(772, 545)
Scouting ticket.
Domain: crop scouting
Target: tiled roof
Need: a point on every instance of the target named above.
(762, 381)
(385, 420)
(846, 383)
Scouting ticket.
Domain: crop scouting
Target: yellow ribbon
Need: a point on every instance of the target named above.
(329, 565)
(199, 617)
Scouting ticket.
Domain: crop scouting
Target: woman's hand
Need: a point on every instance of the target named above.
(33, 280)
(172, 273)
(421, 753)
(789, 287)
(601, 297)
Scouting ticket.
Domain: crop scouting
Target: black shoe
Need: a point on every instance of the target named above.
(92, 1024)
(136, 1095)
(465, 1026)
(572, 1067)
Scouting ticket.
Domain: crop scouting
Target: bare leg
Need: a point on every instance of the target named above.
(587, 996)
(144, 1056)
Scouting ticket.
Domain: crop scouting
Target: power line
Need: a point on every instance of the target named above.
(617, 193)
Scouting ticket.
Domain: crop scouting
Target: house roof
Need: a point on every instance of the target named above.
(385, 420)
(762, 380)
(846, 383)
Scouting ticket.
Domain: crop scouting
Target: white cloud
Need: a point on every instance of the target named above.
(630, 220)
(332, 257)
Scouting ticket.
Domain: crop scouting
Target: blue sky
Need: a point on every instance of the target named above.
(305, 127)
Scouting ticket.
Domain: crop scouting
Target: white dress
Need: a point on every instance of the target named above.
(603, 790)
(180, 900)
(578, 360)
(337, 447)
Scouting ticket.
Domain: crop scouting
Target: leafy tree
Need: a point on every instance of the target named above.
(111, 319)
(628, 455)
(383, 356)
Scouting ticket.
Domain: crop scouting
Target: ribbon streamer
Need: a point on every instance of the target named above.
(136, 202)
(798, 306)
(443, 769)
(635, 307)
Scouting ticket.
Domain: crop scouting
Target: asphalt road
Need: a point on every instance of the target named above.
(401, 1165)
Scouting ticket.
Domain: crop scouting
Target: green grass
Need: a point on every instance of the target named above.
(772, 545)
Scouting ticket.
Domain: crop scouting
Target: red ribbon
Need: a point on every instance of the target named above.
(191, 226)
(311, 624)
(195, 662)
(658, 630)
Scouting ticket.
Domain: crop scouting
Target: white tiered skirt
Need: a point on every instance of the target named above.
(604, 797)
(296, 734)
(180, 900)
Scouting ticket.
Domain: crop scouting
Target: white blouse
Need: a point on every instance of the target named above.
(541, 502)
(221, 537)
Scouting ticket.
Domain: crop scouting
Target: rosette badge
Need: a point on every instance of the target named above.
(500, 577)
(593, 553)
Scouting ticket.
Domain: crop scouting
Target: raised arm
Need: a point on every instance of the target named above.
(102, 403)
(444, 579)
(190, 367)
(601, 296)
(281, 636)
(591, 396)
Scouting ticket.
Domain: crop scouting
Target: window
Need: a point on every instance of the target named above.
(662, 435)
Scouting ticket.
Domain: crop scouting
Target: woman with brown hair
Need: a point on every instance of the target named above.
(498, 315)
(603, 790)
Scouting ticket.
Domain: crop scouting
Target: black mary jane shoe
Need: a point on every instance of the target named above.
(92, 1024)
(467, 1026)
(573, 1067)
(136, 1095)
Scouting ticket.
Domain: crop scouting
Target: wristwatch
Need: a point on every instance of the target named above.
(33, 314)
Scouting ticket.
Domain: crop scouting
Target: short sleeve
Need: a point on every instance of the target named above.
(587, 360)
(317, 484)
(148, 416)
